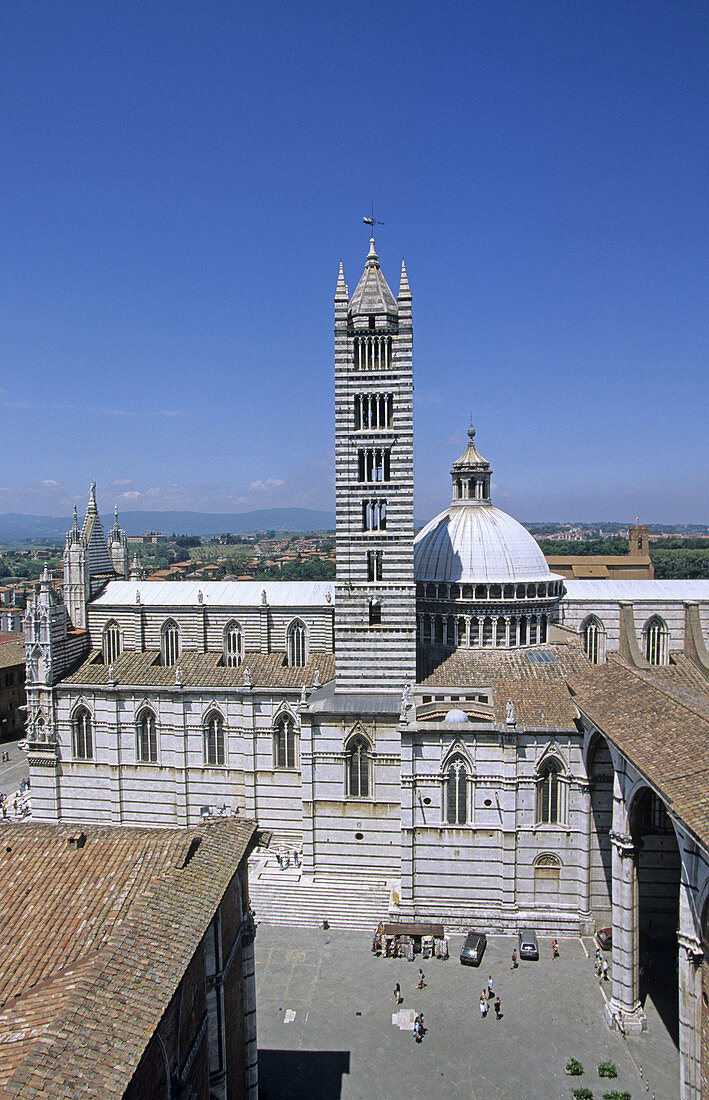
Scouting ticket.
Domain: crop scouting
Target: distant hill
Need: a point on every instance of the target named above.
(14, 525)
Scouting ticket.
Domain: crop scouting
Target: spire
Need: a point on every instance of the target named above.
(341, 288)
(92, 498)
(135, 568)
(75, 527)
(116, 531)
(404, 289)
(373, 296)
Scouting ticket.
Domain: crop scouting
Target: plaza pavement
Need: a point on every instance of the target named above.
(325, 1007)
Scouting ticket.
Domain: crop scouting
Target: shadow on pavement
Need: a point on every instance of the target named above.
(292, 1074)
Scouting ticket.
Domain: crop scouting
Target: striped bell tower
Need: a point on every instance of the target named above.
(375, 613)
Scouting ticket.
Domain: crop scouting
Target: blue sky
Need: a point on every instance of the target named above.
(180, 180)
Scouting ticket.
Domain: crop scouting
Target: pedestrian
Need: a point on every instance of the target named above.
(483, 1005)
(514, 960)
(604, 970)
(397, 994)
(296, 860)
(490, 990)
(554, 949)
(422, 979)
(498, 1008)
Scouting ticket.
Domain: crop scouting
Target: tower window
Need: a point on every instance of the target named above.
(372, 321)
(375, 613)
(374, 565)
(374, 464)
(374, 515)
(373, 411)
(457, 794)
(551, 790)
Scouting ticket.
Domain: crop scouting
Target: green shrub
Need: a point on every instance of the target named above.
(574, 1067)
(607, 1069)
(615, 1095)
(582, 1094)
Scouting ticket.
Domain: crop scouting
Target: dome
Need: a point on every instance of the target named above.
(473, 544)
(456, 716)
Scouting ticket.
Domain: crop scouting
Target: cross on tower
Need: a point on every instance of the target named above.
(372, 221)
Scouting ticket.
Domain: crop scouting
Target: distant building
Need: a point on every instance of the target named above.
(127, 969)
(12, 686)
(150, 537)
(634, 565)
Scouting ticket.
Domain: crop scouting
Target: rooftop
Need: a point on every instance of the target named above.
(78, 1003)
(216, 593)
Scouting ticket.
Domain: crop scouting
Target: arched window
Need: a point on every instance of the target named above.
(169, 642)
(487, 631)
(656, 641)
(358, 767)
(457, 792)
(297, 638)
(285, 743)
(593, 640)
(111, 642)
(551, 794)
(547, 873)
(233, 645)
(214, 739)
(147, 737)
(82, 735)
(501, 638)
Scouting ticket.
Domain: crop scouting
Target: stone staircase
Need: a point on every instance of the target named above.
(289, 897)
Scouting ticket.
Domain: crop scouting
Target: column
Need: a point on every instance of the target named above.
(691, 956)
(624, 1000)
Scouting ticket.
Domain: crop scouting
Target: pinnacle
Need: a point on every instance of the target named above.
(404, 289)
(341, 288)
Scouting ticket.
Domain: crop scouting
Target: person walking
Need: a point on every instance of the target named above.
(604, 970)
(554, 949)
(498, 1008)
(514, 960)
(397, 994)
(422, 979)
(490, 990)
(483, 1005)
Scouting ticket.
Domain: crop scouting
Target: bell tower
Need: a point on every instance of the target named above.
(375, 613)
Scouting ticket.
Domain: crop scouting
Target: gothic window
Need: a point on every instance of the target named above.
(373, 411)
(358, 761)
(501, 631)
(111, 642)
(374, 565)
(523, 630)
(297, 639)
(487, 631)
(214, 739)
(233, 645)
(169, 642)
(285, 743)
(475, 631)
(542, 628)
(656, 641)
(593, 640)
(551, 792)
(82, 735)
(513, 632)
(147, 737)
(375, 613)
(457, 792)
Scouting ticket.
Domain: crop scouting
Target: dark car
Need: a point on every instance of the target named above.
(473, 949)
(605, 938)
(528, 944)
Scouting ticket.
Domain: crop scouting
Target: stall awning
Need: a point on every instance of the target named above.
(402, 929)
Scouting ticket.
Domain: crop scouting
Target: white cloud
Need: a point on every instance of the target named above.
(130, 494)
(269, 483)
(48, 483)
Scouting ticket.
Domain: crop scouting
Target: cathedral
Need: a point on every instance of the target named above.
(509, 746)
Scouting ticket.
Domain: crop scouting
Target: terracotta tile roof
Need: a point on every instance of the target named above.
(78, 1001)
(202, 670)
(660, 724)
(12, 652)
(534, 679)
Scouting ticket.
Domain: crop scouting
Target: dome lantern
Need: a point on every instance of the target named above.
(471, 475)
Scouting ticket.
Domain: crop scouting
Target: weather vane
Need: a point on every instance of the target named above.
(372, 221)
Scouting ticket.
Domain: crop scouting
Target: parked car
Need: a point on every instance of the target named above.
(473, 949)
(605, 938)
(528, 944)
